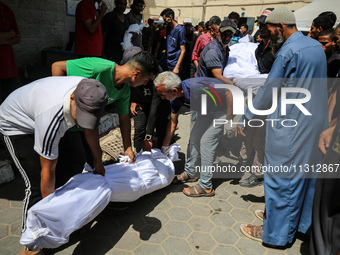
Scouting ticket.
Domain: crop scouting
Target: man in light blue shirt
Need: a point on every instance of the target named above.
(300, 64)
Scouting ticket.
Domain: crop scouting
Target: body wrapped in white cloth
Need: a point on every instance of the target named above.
(51, 221)
(242, 67)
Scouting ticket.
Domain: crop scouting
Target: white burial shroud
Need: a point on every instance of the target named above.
(51, 221)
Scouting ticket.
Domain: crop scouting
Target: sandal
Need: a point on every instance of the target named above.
(184, 177)
(198, 191)
(259, 214)
(256, 232)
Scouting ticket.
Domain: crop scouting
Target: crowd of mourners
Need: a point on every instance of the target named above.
(50, 126)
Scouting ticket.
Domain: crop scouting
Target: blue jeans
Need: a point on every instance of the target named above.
(204, 139)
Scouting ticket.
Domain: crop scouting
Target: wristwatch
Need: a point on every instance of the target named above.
(148, 137)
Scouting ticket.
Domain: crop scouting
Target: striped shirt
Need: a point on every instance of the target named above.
(41, 108)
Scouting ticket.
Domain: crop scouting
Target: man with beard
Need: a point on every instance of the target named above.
(213, 32)
(252, 151)
(215, 54)
(290, 150)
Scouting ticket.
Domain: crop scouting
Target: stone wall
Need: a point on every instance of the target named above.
(42, 24)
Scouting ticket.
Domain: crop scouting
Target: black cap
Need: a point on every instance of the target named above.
(264, 15)
(228, 24)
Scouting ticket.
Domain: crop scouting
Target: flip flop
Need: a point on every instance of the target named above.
(198, 191)
(256, 232)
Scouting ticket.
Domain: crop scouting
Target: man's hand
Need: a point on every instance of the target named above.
(129, 152)
(325, 139)
(103, 8)
(239, 130)
(99, 168)
(176, 70)
(229, 130)
(133, 108)
(147, 145)
(134, 36)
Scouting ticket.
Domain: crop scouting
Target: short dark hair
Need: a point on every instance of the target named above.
(324, 22)
(201, 24)
(145, 62)
(330, 15)
(328, 32)
(234, 15)
(138, 2)
(215, 20)
(150, 21)
(167, 12)
(207, 24)
(244, 25)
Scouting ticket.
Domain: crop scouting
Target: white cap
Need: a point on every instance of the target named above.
(187, 21)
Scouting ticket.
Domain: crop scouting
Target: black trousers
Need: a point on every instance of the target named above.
(141, 121)
(71, 160)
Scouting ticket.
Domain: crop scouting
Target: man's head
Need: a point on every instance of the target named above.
(88, 102)
(168, 15)
(200, 27)
(234, 16)
(144, 67)
(138, 6)
(281, 24)
(321, 23)
(187, 25)
(151, 23)
(168, 85)
(244, 28)
(214, 25)
(326, 40)
(264, 34)
(330, 15)
(207, 26)
(120, 6)
(227, 31)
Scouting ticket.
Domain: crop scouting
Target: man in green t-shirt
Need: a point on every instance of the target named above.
(137, 71)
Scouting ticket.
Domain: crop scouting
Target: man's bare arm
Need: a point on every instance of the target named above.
(5, 36)
(125, 129)
(217, 73)
(92, 139)
(59, 68)
(180, 59)
(47, 183)
(12, 41)
(92, 26)
(170, 130)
